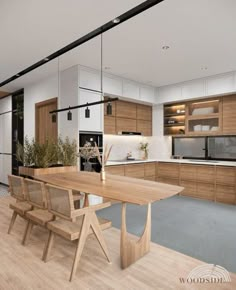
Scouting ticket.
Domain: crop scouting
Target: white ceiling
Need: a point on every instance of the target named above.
(200, 34)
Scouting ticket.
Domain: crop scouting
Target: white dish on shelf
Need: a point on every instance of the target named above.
(214, 128)
(197, 128)
(205, 128)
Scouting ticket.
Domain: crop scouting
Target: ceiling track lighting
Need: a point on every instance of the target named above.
(96, 32)
(87, 113)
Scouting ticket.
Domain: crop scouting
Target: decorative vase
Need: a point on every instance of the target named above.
(87, 166)
(103, 174)
(145, 155)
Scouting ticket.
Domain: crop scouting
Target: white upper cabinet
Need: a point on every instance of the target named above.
(131, 90)
(193, 89)
(5, 105)
(6, 130)
(147, 94)
(95, 122)
(220, 84)
(90, 79)
(112, 85)
(169, 94)
(6, 161)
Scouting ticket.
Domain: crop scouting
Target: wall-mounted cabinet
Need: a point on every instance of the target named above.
(229, 114)
(127, 116)
(174, 119)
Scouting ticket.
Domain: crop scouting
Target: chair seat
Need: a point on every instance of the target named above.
(71, 230)
(21, 207)
(40, 216)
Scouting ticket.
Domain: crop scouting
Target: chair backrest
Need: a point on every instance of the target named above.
(16, 187)
(60, 201)
(36, 193)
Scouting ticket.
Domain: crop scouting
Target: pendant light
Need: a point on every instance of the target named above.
(69, 116)
(109, 108)
(87, 112)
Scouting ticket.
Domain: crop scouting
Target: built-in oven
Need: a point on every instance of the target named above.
(91, 137)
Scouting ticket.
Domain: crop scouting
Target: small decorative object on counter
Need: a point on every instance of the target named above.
(144, 147)
(103, 161)
(87, 152)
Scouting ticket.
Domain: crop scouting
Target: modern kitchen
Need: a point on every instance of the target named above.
(130, 137)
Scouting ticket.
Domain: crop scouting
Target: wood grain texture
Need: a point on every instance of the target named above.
(167, 170)
(225, 194)
(225, 175)
(144, 112)
(124, 124)
(135, 170)
(126, 110)
(229, 116)
(44, 127)
(109, 125)
(28, 171)
(145, 127)
(119, 188)
(150, 169)
(161, 268)
(116, 170)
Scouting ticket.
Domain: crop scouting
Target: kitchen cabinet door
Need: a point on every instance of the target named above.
(135, 170)
(225, 175)
(145, 127)
(90, 79)
(5, 168)
(147, 94)
(116, 170)
(229, 116)
(112, 85)
(126, 110)
(225, 194)
(168, 170)
(6, 131)
(109, 125)
(150, 169)
(144, 112)
(95, 122)
(123, 124)
(188, 172)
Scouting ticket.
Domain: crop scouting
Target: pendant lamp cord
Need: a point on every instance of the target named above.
(102, 64)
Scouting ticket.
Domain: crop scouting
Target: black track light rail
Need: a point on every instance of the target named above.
(109, 25)
(84, 105)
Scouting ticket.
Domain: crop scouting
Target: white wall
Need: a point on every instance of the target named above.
(41, 91)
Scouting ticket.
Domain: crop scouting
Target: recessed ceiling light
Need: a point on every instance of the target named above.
(116, 20)
(204, 67)
(165, 47)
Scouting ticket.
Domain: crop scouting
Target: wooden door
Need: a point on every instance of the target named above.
(44, 127)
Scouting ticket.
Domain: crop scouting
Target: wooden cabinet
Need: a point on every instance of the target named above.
(144, 127)
(225, 194)
(144, 112)
(225, 175)
(190, 188)
(168, 170)
(135, 170)
(116, 170)
(150, 171)
(124, 124)
(229, 115)
(109, 125)
(206, 174)
(126, 110)
(167, 180)
(188, 172)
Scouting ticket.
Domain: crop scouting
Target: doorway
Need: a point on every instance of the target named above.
(45, 129)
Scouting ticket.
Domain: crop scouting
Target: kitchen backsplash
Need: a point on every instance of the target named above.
(159, 147)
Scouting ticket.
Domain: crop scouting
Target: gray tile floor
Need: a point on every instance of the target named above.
(201, 229)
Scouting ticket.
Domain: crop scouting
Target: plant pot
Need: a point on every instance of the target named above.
(29, 171)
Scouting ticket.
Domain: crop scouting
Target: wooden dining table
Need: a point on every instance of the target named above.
(123, 189)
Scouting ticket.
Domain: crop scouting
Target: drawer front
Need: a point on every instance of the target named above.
(188, 172)
(190, 188)
(172, 181)
(123, 124)
(168, 170)
(225, 194)
(150, 169)
(134, 170)
(205, 191)
(206, 174)
(116, 170)
(225, 175)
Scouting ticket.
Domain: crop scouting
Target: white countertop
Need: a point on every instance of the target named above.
(185, 161)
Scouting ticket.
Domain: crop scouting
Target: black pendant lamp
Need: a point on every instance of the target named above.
(87, 112)
(109, 108)
(69, 116)
(54, 118)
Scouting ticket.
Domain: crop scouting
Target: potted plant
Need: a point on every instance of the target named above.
(87, 152)
(144, 147)
(50, 157)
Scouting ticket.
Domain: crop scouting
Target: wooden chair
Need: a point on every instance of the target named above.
(17, 191)
(36, 196)
(73, 224)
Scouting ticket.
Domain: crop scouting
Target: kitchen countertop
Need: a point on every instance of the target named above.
(182, 161)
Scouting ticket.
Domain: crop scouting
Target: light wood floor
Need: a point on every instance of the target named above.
(22, 269)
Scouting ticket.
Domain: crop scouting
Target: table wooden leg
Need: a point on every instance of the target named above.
(130, 249)
(86, 200)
